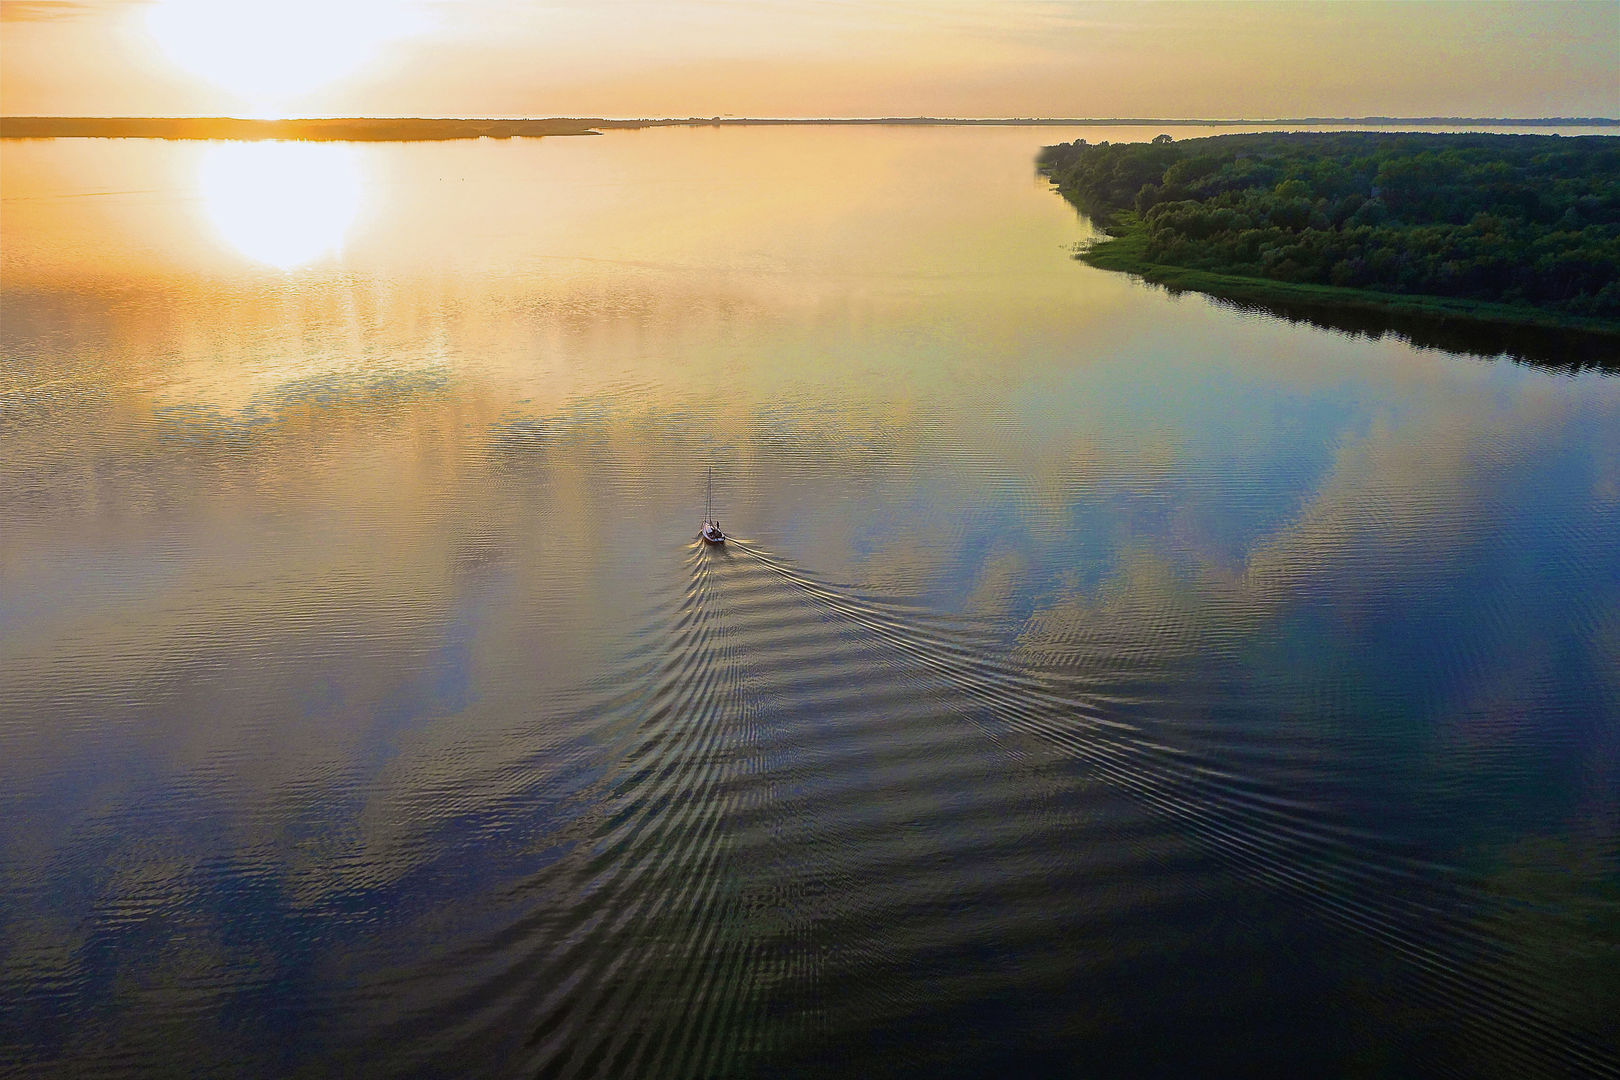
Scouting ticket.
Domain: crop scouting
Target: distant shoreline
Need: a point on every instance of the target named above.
(427, 129)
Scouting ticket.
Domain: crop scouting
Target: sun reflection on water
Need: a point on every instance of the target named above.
(281, 203)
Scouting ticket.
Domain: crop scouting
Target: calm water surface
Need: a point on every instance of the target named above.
(1099, 682)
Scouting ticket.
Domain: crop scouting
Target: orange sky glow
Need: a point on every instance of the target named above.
(804, 58)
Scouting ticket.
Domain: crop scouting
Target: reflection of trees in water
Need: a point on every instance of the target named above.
(1562, 913)
(1571, 349)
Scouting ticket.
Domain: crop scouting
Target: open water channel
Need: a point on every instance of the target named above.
(1099, 682)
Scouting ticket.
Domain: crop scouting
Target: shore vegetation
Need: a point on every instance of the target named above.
(1513, 229)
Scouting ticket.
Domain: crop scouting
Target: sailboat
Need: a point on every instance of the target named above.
(710, 533)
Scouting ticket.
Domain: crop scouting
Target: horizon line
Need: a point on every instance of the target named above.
(729, 119)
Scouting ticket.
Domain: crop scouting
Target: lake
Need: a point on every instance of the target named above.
(1098, 681)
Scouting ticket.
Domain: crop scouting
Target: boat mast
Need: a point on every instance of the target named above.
(708, 500)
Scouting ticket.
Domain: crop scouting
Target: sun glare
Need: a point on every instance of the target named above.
(281, 203)
(271, 52)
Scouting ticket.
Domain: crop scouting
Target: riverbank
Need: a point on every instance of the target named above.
(1498, 230)
(1126, 250)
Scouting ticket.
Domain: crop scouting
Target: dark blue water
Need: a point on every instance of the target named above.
(1098, 682)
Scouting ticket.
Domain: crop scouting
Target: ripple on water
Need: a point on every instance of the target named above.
(830, 814)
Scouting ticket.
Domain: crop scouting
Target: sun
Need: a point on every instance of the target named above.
(270, 53)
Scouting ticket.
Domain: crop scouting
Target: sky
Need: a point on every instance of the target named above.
(809, 58)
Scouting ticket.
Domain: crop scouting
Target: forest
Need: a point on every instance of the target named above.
(1526, 221)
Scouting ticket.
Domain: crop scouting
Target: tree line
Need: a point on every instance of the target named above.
(1517, 219)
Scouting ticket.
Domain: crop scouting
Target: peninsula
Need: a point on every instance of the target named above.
(1515, 230)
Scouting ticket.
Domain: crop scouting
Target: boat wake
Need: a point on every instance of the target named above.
(820, 814)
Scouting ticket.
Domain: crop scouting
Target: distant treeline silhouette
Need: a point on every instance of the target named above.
(335, 129)
(1526, 220)
(414, 129)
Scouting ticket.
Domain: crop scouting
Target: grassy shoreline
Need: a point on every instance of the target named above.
(1125, 250)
